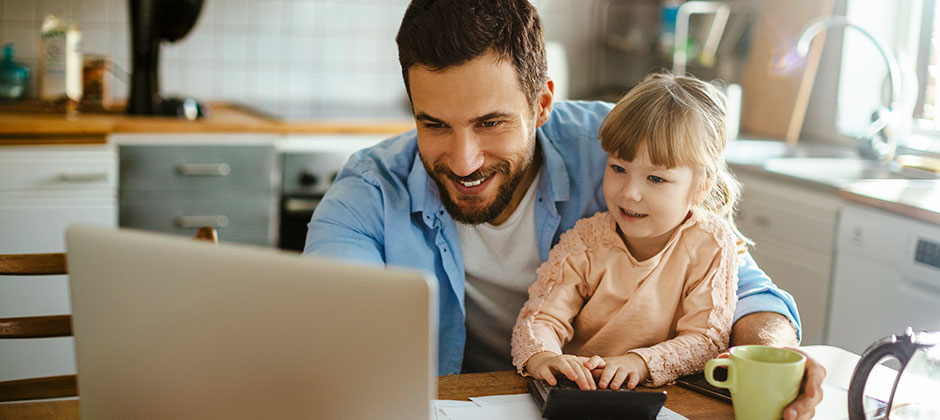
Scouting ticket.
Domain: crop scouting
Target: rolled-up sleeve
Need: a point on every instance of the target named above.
(757, 293)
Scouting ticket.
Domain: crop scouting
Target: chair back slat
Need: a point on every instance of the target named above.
(32, 264)
(36, 326)
(38, 388)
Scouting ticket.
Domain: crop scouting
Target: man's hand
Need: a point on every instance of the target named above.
(773, 329)
(629, 368)
(546, 365)
(811, 394)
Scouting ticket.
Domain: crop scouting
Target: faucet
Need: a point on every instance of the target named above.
(895, 118)
(721, 11)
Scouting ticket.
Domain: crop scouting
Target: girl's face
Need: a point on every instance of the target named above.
(648, 201)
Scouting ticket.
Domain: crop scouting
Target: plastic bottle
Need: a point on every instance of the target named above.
(60, 63)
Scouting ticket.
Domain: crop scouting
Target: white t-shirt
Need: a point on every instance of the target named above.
(500, 263)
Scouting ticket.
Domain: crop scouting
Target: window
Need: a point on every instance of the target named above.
(911, 28)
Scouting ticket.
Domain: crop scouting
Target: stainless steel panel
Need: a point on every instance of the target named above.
(198, 167)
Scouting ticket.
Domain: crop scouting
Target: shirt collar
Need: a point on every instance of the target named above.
(555, 175)
(425, 197)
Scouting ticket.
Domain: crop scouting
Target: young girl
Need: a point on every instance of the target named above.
(644, 292)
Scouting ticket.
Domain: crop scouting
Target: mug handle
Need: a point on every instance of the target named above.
(710, 372)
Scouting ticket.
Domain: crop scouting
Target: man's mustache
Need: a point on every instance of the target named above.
(482, 173)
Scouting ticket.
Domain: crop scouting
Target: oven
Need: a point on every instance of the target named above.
(309, 164)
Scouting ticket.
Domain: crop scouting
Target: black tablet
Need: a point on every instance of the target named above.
(566, 401)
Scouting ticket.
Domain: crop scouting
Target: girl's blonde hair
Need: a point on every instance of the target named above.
(681, 120)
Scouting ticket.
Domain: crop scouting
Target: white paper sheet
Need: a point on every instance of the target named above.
(507, 407)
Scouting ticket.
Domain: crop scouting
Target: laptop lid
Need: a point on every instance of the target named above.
(172, 328)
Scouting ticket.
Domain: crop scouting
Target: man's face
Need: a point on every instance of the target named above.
(476, 135)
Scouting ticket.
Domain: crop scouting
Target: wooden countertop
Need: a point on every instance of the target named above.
(918, 199)
(26, 123)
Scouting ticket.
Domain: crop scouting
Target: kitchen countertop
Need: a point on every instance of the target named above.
(918, 199)
(25, 124)
(915, 198)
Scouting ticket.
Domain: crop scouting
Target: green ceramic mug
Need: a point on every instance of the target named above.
(763, 380)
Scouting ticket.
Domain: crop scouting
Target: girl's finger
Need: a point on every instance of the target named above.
(595, 362)
(619, 378)
(633, 380)
(545, 372)
(606, 376)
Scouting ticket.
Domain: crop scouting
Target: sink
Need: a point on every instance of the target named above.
(842, 170)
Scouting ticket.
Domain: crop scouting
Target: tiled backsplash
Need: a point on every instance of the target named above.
(272, 50)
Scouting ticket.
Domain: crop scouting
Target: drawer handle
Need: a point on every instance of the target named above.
(216, 221)
(75, 176)
(203, 169)
(300, 205)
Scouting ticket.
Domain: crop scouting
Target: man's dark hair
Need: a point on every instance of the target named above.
(439, 34)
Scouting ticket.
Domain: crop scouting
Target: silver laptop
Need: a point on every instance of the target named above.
(169, 328)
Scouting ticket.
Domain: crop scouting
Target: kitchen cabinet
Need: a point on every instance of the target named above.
(175, 183)
(793, 227)
(43, 190)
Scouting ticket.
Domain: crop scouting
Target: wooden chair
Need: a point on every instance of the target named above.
(46, 326)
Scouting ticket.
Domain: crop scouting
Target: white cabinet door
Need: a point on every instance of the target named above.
(42, 191)
(793, 227)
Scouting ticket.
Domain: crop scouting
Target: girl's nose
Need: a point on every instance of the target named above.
(466, 156)
(631, 190)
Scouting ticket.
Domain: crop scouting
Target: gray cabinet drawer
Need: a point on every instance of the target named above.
(239, 216)
(197, 167)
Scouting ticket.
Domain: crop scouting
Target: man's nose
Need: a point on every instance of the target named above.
(466, 155)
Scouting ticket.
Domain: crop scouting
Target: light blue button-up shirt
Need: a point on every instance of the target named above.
(383, 208)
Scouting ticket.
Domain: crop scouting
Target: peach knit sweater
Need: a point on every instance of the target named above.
(593, 298)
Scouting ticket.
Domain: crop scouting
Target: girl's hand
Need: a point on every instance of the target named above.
(546, 365)
(629, 368)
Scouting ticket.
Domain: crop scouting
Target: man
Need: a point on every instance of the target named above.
(493, 174)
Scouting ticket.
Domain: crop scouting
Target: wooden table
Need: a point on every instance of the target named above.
(451, 387)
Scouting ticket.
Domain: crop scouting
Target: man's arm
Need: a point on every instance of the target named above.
(768, 316)
(347, 224)
(767, 328)
(757, 294)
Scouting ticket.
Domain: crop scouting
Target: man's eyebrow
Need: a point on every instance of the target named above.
(491, 116)
(425, 117)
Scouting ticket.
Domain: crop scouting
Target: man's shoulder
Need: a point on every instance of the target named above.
(577, 117)
(393, 157)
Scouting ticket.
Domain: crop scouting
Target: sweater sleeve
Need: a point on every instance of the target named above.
(704, 328)
(556, 297)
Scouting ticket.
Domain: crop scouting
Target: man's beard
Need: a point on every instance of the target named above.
(475, 216)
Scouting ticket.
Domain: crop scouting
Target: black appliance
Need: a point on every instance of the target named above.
(153, 21)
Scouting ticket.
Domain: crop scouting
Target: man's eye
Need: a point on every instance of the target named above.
(656, 179)
(618, 169)
(491, 124)
(433, 125)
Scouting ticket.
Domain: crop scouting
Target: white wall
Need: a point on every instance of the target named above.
(274, 50)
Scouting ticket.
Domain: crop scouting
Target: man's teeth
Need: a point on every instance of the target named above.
(471, 183)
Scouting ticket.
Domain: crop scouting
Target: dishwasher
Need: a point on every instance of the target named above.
(886, 277)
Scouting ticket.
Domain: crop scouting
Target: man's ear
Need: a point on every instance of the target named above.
(544, 102)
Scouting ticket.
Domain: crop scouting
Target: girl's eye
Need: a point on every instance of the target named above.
(618, 169)
(656, 179)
